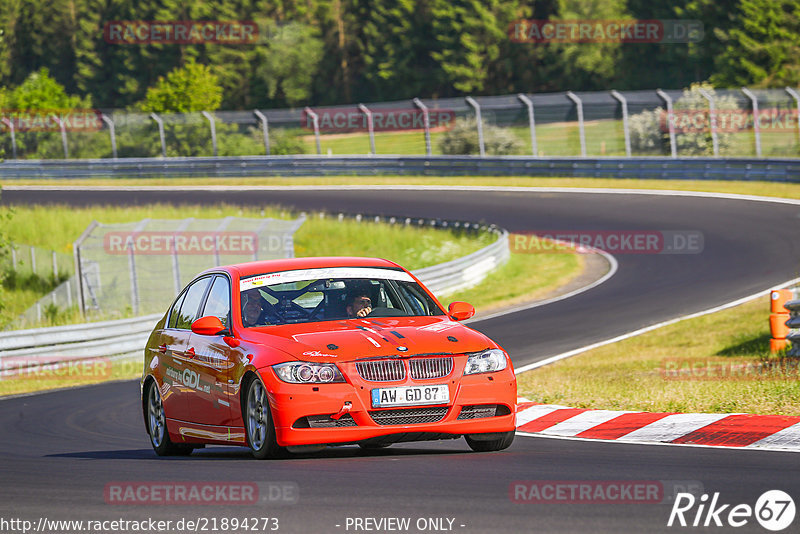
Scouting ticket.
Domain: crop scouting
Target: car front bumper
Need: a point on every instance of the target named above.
(305, 414)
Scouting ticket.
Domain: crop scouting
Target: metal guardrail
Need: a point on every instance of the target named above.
(127, 337)
(447, 278)
(701, 168)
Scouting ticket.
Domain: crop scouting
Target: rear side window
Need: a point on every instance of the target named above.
(176, 308)
(191, 303)
(218, 303)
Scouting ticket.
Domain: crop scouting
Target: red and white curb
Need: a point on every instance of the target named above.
(764, 432)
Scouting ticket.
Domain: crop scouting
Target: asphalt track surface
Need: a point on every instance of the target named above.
(59, 450)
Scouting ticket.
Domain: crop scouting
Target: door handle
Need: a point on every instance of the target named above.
(190, 352)
(162, 348)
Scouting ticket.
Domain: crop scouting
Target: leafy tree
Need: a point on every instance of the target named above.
(41, 96)
(467, 36)
(763, 46)
(590, 65)
(190, 88)
(288, 63)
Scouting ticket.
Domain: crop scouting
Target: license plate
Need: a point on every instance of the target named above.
(410, 395)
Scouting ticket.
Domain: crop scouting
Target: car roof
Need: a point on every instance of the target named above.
(288, 264)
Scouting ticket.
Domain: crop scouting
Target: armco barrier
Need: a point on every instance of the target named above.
(127, 337)
(778, 170)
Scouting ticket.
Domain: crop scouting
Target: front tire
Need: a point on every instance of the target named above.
(157, 426)
(503, 442)
(259, 427)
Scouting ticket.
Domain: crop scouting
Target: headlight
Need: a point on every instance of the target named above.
(487, 361)
(308, 372)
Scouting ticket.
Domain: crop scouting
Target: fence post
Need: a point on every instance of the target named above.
(134, 281)
(315, 119)
(160, 133)
(712, 115)
(370, 128)
(264, 128)
(426, 121)
(55, 266)
(176, 267)
(76, 253)
(531, 122)
(210, 119)
(112, 133)
(10, 125)
(756, 129)
(581, 132)
(472, 102)
(624, 103)
(63, 129)
(33, 259)
(132, 267)
(796, 97)
(673, 148)
(220, 228)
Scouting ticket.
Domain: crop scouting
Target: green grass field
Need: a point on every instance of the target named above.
(718, 363)
(603, 138)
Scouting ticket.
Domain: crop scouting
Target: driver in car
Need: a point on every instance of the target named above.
(359, 305)
(254, 308)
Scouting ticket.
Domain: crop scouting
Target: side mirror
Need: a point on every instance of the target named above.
(460, 311)
(208, 326)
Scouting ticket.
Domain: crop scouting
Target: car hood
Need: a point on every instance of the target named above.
(354, 339)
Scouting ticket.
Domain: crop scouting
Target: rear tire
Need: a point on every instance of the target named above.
(259, 427)
(157, 426)
(499, 444)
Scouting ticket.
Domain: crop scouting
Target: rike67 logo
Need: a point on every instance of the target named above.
(774, 510)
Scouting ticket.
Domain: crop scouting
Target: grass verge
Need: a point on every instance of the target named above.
(718, 363)
(70, 375)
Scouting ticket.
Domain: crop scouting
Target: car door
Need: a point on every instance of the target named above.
(176, 369)
(212, 362)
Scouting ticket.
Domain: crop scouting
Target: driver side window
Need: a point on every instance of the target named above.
(218, 303)
(191, 304)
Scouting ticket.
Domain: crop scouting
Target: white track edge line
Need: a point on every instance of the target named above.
(613, 267)
(557, 357)
(657, 443)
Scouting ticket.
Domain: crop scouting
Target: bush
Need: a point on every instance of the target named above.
(649, 130)
(463, 139)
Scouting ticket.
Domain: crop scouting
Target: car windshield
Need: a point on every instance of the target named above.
(312, 295)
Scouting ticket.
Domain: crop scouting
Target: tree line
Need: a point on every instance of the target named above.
(321, 52)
